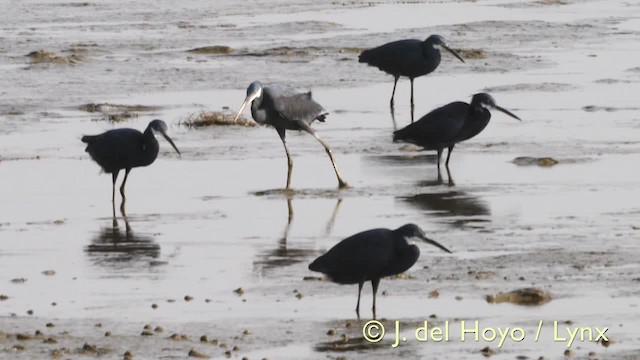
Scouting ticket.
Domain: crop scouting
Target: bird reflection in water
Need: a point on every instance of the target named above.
(285, 255)
(459, 208)
(116, 247)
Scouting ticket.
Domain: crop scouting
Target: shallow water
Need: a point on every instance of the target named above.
(215, 219)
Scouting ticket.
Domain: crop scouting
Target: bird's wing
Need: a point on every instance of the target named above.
(358, 257)
(440, 126)
(114, 147)
(391, 57)
(299, 107)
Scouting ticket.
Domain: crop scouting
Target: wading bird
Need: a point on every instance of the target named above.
(119, 149)
(370, 256)
(448, 125)
(410, 58)
(284, 109)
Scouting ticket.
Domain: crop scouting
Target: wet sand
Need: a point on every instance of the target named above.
(215, 220)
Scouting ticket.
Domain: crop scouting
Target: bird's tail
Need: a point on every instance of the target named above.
(318, 265)
(364, 56)
(88, 139)
(400, 135)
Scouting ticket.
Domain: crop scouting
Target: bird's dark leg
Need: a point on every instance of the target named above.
(282, 134)
(126, 175)
(412, 106)
(332, 220)
(124, 198)
(113, 213)
(114, 176)
(395, 82)
(358, 305)
(438, 162)
(374, 285)
(449, 156)
(451, 183)
(341, 183)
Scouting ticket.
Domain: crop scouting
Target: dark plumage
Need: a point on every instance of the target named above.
(370, 256)
(450, 124)
(285, 109)
(119, 149)
(410, 58)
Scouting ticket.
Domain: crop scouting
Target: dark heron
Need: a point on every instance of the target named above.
(119, 149)
(285, 109)
(370, 256)
(448, 125)
(410, 58)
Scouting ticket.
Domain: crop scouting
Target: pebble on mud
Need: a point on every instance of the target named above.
(239, 291)
(525, 296)
(528, 160)
(487, 351)
(154, 306)
(188, 298)
(197, 355)
(568, 353)
(178, 337)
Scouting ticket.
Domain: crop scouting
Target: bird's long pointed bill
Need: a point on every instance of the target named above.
(508, 113)
(171, 142)
(435, 243)
(453, 52)
(244, 104)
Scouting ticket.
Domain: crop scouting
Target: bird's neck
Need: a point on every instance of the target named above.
(149, 142)
(431, 51)
(408, 255)
(258, 114)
